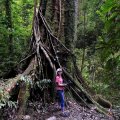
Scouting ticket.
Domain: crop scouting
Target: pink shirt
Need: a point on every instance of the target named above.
(59, 80)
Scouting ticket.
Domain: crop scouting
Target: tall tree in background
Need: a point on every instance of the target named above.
(9, 26)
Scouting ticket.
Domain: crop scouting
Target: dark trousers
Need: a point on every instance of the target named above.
(60, 94)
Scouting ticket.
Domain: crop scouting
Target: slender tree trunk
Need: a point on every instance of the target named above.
(84, 30)
(9, 26)
(76, 20)
(83, 59)
(25, 14)
(34, 14)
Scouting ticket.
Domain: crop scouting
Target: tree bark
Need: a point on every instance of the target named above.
(9, 25)
(70, 29)
(84, 29)
(24, 91)
(43, 4)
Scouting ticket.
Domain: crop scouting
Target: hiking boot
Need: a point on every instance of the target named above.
(65, 114)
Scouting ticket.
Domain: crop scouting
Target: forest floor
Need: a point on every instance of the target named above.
(35, 111)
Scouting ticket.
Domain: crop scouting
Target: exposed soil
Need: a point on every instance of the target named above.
(35, 111)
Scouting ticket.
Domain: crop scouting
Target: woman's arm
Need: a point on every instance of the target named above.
(59, 82)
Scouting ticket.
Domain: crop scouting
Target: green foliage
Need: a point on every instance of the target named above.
(22, 18)
(100, 87)
(109, 41)
(109, 14)
(4, 100)
(26, 79)
(42, 84)
(10, 104)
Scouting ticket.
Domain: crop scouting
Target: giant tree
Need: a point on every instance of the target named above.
(45, 56)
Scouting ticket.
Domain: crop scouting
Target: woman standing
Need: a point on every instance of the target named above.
(60, 86)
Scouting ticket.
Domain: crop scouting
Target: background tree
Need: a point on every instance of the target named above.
(9, 27)
(17, 28)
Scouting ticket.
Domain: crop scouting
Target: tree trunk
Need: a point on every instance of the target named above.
(24, 88)
(43, 4)
(70, 33)
(84, 30)
(9, 26)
